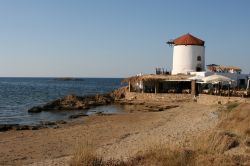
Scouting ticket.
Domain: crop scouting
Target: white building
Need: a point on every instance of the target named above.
(188, 54)
(189, 58)
(240, 80)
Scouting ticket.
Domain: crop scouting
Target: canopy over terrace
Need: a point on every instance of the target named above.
(216, 79)
(156, 78)
(159, 83)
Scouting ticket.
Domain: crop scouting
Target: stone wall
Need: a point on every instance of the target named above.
(158, 96)
(201, 99)
(211, 99)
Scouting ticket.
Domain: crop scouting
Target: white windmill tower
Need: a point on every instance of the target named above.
(188, 54)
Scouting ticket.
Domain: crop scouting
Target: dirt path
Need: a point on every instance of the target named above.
(174, 127)
(114, 136)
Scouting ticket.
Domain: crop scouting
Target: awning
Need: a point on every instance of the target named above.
(197, 78)
(216, 79)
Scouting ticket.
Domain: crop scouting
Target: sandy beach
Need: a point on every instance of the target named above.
(114, 136)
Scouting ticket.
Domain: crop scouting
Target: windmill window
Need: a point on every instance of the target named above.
(198, 67)
(198, 58)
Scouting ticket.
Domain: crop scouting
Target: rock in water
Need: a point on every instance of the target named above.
(72, 102)
(76, 116)
(35, 110)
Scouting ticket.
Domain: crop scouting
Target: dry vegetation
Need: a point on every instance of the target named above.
(85, 155)
(227, 144)
(159, 154)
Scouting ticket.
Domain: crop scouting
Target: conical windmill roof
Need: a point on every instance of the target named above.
(188, 39)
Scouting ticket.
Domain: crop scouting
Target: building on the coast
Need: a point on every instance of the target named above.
(188, 54)
(159, 83)
(188, 71)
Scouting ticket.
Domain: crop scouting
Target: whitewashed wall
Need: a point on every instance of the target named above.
(234, 76)
(185, 58)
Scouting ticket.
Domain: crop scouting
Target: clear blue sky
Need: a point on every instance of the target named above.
(116, 38)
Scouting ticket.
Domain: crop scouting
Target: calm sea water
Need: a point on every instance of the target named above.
(17, 95)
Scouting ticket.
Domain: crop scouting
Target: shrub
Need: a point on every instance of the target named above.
(231, 106)
(86, 156)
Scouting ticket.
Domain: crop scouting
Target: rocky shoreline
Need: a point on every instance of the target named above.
(72, 102)
(42, 125)
(82, 104)
(68, 103)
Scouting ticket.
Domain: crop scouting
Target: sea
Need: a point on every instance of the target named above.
(17, 95)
